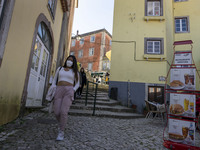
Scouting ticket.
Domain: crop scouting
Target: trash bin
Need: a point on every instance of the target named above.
(113, 93)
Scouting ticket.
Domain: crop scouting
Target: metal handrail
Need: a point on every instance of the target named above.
(95, 95)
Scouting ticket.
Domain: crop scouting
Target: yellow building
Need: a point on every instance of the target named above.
(142, 46)
(34, 38)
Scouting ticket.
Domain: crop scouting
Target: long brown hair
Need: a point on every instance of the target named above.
(74, 66)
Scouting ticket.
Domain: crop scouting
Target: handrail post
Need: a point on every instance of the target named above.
(86, 94)
(95, 100)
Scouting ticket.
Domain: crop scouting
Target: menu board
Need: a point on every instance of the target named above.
(183, 105)
(183, 58)
(182, 131)
(183, 79)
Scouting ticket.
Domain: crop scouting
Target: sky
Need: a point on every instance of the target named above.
(93, 15)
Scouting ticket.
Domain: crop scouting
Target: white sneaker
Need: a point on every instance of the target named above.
(60, 136)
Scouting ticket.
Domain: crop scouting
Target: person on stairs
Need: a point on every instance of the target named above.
(83, 82)
(67, 79)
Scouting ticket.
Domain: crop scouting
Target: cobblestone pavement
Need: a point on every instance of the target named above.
(38, 130)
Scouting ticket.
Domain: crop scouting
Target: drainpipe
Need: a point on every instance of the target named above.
(129, 94)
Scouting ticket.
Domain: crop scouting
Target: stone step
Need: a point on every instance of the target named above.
(98, 102)
(116, 108)
(108, 114)
(92, 98)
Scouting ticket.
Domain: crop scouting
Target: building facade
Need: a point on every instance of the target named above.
(142, 47)
(91, 49)
(33, 37)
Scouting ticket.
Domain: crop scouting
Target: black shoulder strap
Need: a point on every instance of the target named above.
(58, 75)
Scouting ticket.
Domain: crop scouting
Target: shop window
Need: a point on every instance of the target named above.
(52, 7)
(156, 94)
(153, 7)
(92, 38)
(91, 51)
(80, 53)
(154, 46)
(181, 24)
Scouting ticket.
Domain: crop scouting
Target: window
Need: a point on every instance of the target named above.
(110, 42)
(181, 25)
(6, 11)
(72, 53)
(92, 38)
(82, 41)
(91, 51)
(52, 7)
(1, 6)
(80, 53)
(156, 94)
(73, 43)
(180, 0)
(90, 66)
(154, 46)
(154, 7)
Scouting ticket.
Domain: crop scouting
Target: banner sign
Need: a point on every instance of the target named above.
(183, 58)
(183, 79)
(182, 131)
(183, 105)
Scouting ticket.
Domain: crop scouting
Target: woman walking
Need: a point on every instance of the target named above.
(67, 80)
(83, 81)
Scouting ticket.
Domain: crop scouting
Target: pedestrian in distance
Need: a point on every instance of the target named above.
(67, 81)
(83, 82)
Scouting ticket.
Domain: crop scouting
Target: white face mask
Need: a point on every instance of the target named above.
(69, 63)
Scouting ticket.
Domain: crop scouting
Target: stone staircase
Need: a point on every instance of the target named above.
(105, 107)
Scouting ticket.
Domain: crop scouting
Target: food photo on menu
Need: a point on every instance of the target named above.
(183, 105)
(182, 131)
(183, 79)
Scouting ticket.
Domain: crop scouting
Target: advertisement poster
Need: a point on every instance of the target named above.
(183, 58)
(183, 79)
(182, 131)
(183, 105)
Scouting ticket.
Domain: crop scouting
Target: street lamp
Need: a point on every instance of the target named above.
(77, 36)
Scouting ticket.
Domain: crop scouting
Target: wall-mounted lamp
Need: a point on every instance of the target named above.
(77, 36)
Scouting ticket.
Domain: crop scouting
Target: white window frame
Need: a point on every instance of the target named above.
(90, 65)
(181, 24)
(154, 3)
(52, 7)
(91, 51)
(80, 53)
(73, 43)
(153, 50)
(72, 53)
(1, 6)
(152, 41)
(92, 38)
(154, 7)
(82, 41)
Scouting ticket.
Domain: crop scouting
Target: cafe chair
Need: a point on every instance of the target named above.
(155, 108)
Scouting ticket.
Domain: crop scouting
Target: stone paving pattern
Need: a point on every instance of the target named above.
(38, 131)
